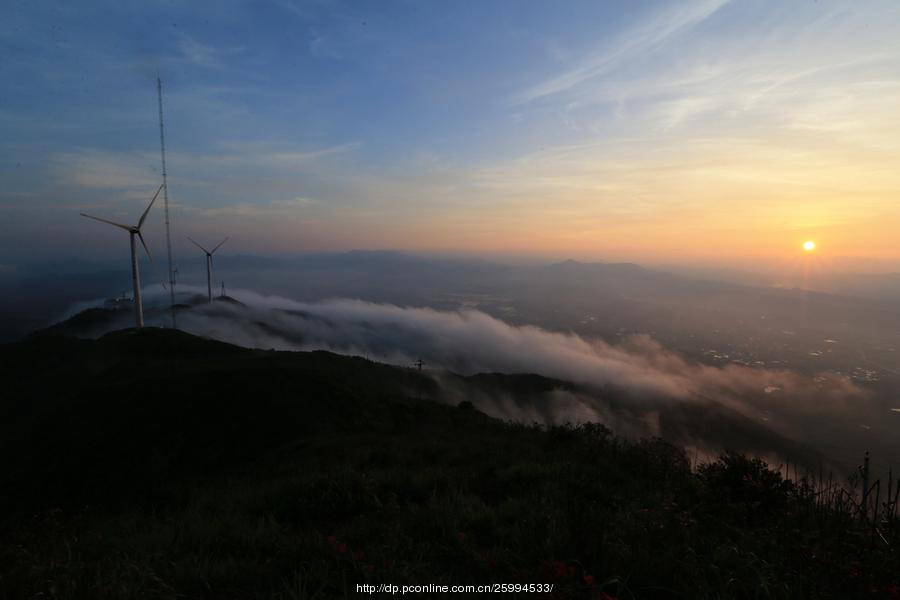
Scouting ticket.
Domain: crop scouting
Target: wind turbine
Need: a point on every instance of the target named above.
(135, 230)
(209, 254)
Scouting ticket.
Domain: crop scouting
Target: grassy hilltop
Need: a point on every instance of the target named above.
(154, 464)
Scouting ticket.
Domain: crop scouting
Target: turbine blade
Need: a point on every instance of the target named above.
(220, 244)
(144, 244)
(156, 270)
(149, 206)
(152, 262)
(125, 227)
(199, 246)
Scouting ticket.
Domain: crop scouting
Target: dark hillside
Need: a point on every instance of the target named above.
(155, 464)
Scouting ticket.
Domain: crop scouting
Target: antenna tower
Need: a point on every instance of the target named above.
(162, 150)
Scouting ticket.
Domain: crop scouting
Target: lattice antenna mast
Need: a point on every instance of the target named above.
(162, 150)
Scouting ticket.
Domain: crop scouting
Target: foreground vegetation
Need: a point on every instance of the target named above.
(157, 465)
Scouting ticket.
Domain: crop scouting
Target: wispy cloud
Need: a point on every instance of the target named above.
(102, 169)
(647, 37)
(97, 168)
(298, 202)
(304, 157)
(199, 54)
(296, 208)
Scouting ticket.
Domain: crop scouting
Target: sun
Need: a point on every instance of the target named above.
(809, 245)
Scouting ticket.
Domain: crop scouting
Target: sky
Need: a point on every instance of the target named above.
(715, 131)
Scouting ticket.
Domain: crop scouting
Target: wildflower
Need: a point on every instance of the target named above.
(559, 569)
(487, 558)
(589, 579)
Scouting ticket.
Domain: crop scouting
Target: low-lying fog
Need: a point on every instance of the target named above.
(636, 385)
(820, 369)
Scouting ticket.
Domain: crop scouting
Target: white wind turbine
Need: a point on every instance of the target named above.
(135, 230)
(209, 254)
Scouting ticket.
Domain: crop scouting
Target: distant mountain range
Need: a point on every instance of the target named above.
(39, 293)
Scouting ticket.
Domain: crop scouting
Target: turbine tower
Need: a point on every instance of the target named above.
(135, 230)
(209, 254)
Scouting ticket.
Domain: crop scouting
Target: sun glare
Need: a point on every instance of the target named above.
(809, 245)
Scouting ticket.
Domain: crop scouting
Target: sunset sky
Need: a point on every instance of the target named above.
(711, 131)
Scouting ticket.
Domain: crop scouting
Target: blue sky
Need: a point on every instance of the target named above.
(591, 129)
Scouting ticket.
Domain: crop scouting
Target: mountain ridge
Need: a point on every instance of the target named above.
(156, 464)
